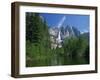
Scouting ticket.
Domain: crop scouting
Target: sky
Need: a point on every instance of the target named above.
(81, 22)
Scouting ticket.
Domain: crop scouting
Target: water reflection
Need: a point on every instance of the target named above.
(66, 60)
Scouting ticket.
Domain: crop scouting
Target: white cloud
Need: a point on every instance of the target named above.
(84, 31)
(61, 22)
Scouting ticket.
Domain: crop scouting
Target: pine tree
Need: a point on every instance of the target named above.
(37, 40)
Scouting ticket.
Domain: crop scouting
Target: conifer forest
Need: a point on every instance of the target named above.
(54, 46)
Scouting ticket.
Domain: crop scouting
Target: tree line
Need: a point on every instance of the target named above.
(38, 45)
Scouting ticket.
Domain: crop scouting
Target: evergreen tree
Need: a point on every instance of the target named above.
(37, 40)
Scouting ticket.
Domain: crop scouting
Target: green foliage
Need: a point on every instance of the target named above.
(37, 41)
(38, 46)
(75, 47)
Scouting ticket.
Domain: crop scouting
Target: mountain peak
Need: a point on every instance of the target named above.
(59, 34)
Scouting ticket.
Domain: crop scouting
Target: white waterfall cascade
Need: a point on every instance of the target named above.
(59, 37)
(58, 40)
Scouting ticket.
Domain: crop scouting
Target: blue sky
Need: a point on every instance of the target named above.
(81, 22)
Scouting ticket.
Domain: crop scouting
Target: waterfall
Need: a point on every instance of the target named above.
(59, 37)
(58, 40)
(59, 25)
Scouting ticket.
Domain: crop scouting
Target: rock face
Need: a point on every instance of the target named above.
(57, 35)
